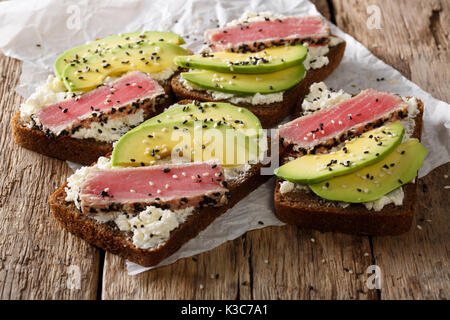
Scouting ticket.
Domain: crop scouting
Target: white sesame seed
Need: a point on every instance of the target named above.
(131, 190)
(151, 183)
(175, 176)
(158, 191)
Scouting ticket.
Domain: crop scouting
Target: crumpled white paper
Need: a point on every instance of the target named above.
(38, 31)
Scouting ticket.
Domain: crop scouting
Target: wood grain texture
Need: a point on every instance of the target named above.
(38, 260)
(414, 39)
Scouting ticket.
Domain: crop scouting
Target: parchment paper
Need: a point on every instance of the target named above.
(38, 31)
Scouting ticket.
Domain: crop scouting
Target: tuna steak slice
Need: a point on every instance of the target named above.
(329, 127)
(256, 35)
(171, 186)
(116, 99)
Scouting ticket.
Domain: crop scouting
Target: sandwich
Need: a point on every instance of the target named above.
(263, 62)
(349, 164)
(98, 92)
(165, 181)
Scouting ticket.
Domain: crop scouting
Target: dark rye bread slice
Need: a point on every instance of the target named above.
(273, 113)
(306, 209)
(108, 237)
(84, 151)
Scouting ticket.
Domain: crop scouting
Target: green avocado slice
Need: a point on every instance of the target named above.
(239, 118)
(372, 182)
(247, 84)
(76, 54)
(146, 57)
(265, 61)
(191, 141)
(359, 152)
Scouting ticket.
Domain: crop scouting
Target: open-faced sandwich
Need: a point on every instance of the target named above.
(99, 91)
(165, 181)
(263, 62)
(350, 163)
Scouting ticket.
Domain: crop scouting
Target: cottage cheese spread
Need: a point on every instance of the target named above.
(396, 196)
(75, 181)
(152, 227)
(51, 92)
(112, 130)
(287, 186)
(409, 123)
(253, 16)
(320, 97)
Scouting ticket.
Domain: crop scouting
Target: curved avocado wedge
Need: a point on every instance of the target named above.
(76, 54)
(241, 119)
(191, 141)
(265, 61)
(368, 148)
(247, 84)
(146, 57)
(372, 182)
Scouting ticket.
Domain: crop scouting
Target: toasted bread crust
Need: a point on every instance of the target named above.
(108, 237)
(84, 151)
(273, 113)
(308, 210)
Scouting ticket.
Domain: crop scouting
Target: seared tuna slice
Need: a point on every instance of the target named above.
(116, 99)
(329, 127)
(257, 35)
(171, 186)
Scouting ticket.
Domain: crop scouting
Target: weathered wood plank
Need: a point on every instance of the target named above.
(211, 275)
(414, 39)
(38, 260)
(291, 263)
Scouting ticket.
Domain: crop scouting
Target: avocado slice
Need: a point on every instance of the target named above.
(372, 182)
(268, 60)
(92, 71)
(239, 118)
(76, 54)
(192, 141)
(359, 152)
(247, 84)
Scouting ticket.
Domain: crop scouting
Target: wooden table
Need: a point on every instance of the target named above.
(39, 260)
